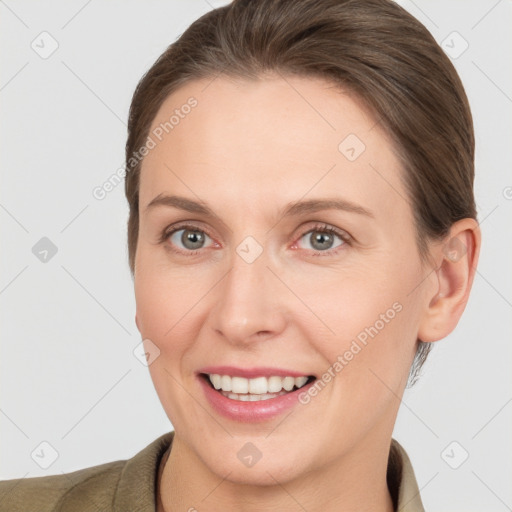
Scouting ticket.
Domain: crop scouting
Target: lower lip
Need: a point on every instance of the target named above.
(250, 412)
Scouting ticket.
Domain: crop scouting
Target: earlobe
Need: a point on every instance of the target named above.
(137, 322)
(458, 257)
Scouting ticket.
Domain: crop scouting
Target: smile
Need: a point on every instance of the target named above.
(255, 389)
(255, 394)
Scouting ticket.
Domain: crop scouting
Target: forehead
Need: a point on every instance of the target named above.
(274, 139)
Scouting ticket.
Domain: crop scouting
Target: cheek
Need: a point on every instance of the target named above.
(172, 303)
(348, 301)
(159, 309)
(163, 294)
(165, 312)
(370, 320)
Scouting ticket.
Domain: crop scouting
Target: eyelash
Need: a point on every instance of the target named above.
(321, 227)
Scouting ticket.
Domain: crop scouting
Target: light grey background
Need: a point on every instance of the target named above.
(68, 373)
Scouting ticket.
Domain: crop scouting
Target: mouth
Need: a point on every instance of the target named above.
(255, 389)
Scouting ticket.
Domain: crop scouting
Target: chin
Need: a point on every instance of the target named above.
(261, 474)
(249, 466)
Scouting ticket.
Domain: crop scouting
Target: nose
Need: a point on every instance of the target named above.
(248, 305)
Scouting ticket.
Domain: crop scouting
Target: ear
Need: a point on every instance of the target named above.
(457, 259)
(137, 322)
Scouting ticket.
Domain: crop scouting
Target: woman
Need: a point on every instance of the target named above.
(302, 227)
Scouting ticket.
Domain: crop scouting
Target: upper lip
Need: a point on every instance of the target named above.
(251, 373)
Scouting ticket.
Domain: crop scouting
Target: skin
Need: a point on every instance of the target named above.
(248, 149)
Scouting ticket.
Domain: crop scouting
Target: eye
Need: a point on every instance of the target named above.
(321, 239)
(185, 239)
(189, 240)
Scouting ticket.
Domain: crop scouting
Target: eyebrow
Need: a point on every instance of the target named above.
(291, 209)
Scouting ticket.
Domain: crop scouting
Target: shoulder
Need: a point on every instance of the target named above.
(95, 484)
(402, 480)
(114, 486)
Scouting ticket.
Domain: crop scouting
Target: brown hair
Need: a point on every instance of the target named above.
(372, 48)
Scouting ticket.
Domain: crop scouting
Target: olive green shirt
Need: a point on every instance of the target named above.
(131, 485)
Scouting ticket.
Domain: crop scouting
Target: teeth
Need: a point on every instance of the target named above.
(261, 386)
(288, 383)
(216, 380)
(225, 382)
(251, 398)
(275, 384)
(239, 385)
(256, 386)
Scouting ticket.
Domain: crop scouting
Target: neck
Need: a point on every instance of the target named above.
(355, 482)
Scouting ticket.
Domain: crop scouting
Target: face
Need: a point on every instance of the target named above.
(253, 285)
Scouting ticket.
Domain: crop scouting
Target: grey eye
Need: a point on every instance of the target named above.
(190, 239)
(321, 240)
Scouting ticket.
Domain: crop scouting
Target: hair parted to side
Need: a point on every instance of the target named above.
(373, 49)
